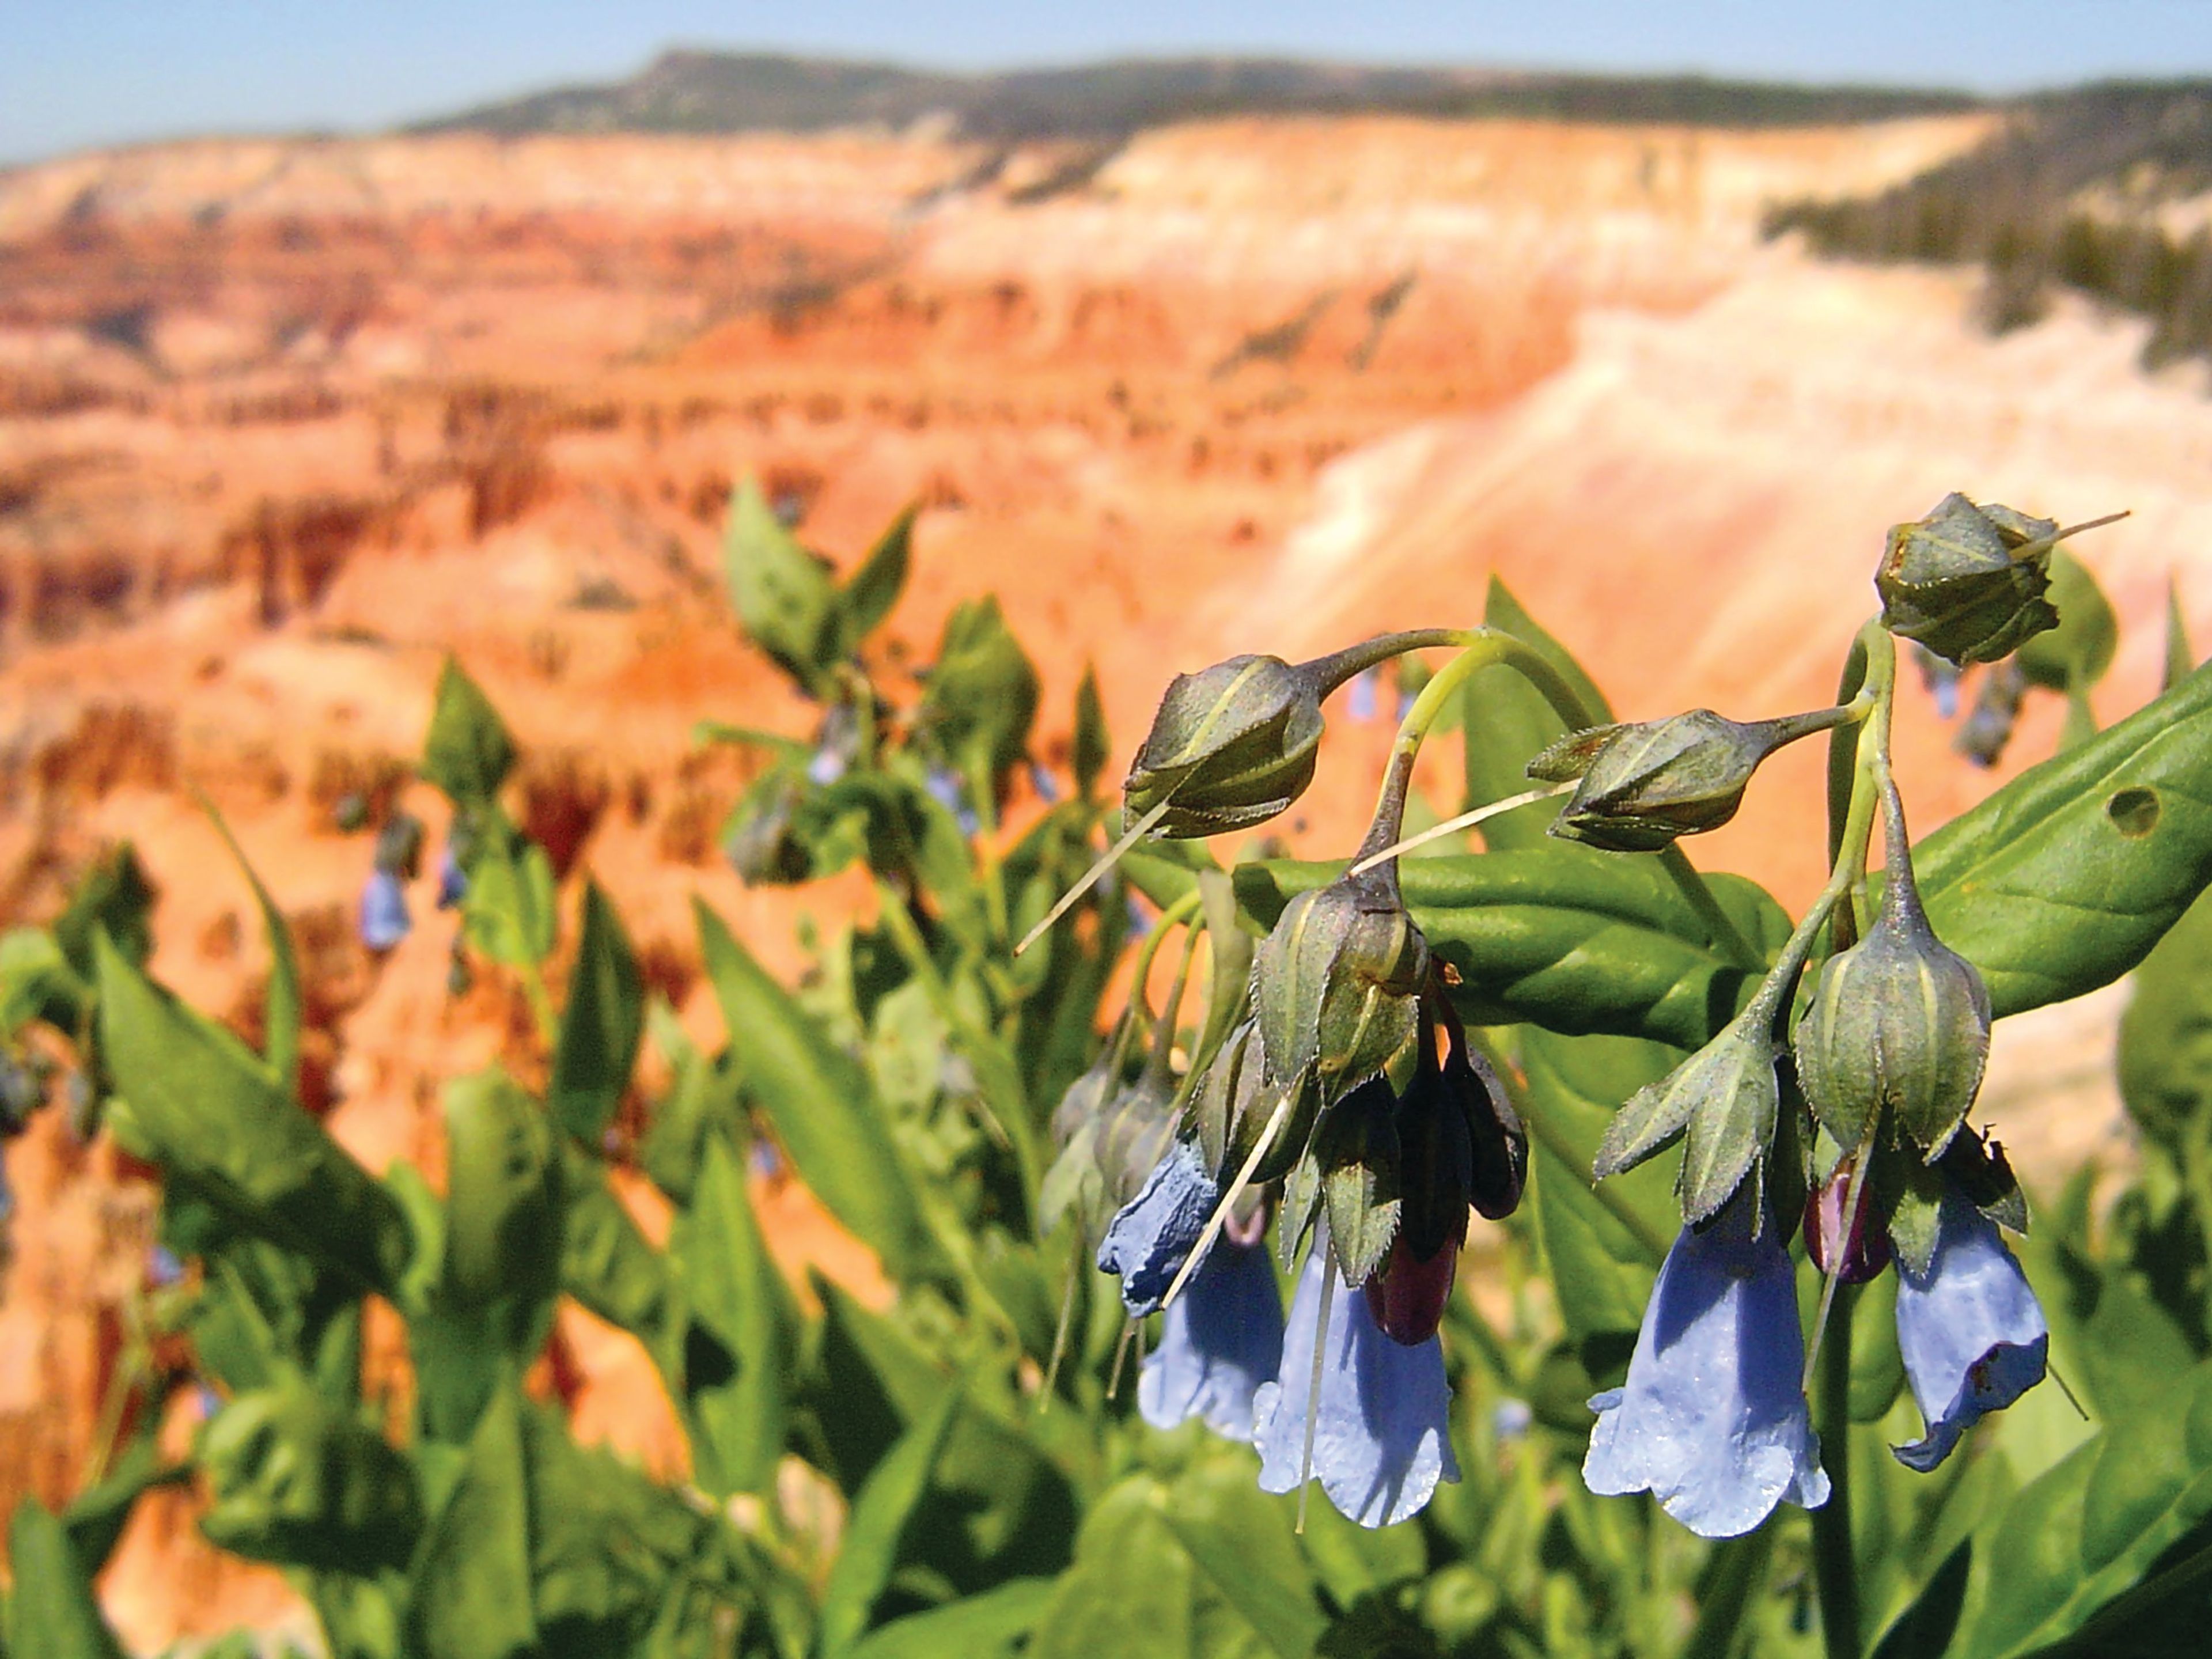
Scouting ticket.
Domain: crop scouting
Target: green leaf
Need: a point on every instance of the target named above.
(111, 897)
(980, 698)
(2179, 659)
(1243, 1540)
(2085, 1533)
(96, 1517)
(52, 1613)
(281, 1008)
(201, 1105)
(468, 752)
(1564, 937)
(2064, 879)
(1129, 1596)
(1602, 1251)
(295, 1481)
(974, 1627)
(1508, 722)
(2073, 656)
(825, 1111)
(881, 1512)
(601, 1026)
(1093, 747)
(2164, 1063)
(606, 1263)
(471, 1592)
(702, 1099)
(738, 1365)
(509, 909)
(786, 598)
(877, 585)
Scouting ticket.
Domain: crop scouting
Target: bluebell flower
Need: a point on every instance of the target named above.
(827, 766)
(384, 919)
(1359, 701)
(1046, 786)
(1153, 1234)
(1972, 1333)
(1381, 1440)
(1712, 1421)
(1221, 1339)
(453, 880)
(944, 787)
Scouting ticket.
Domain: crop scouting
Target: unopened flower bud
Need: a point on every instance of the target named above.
(1899, 1024)
(1857, 1251)
(1231, 746)
(1968, 582)
(1726, 1099)
(1336, 985)
(1641, 786)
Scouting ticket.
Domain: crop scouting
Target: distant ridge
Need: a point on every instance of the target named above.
(703, 92)
(2104, 189)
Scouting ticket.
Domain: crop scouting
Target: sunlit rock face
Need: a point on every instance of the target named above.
(283, 422)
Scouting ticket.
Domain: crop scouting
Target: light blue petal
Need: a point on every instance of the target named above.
(1712, 1421)
(1381, 1436)
(1972, 1333)
(1153, 1234)
(1221, 1339)
(384, 919)
(453, 880)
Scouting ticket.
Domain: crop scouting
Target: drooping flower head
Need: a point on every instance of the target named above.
(1380, 1431)
(1220, 1340)
(1972, 1333)
(1712, 1419)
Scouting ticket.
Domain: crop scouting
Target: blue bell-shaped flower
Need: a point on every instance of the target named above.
(1712, 1421)
(383, 918)
(1153, 1234)
(1221, 1339)
(1381, 1435)
(1972, 1333)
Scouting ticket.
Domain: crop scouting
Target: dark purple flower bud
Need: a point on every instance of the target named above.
(1407, 1295)
(453, 880)
(1857, 1252)
(1712, 1421)
(1380, 1433)
(1972, 1335)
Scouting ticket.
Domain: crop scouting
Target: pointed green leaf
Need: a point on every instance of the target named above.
(201, 1105)
(471, 1593)
(508, 910)
(281, 1008)
(113, 896)
(787, 599)
(1093, 746)
(822, 1105)
(468, 752)
(2180, 661)
(1129, 1593)
(739, 1362)
(601, 1026)
(606, 1263)
(982, 1626)
(877, 585)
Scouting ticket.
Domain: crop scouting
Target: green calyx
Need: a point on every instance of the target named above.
(1231, 746)
(1969, 582)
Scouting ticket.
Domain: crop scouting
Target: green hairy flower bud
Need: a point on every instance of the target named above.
(1641, 786)
(1725, 1100)
(1231, 746)
(1899, 1024)
(1969, 582)
(1336, 985)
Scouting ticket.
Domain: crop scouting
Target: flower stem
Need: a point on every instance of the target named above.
(1719, 928)
(1835, 1574)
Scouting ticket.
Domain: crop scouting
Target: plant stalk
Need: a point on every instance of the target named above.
(1835, 1572)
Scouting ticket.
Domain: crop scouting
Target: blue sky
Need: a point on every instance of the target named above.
(88, 72)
